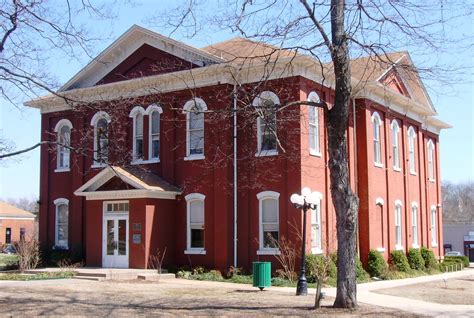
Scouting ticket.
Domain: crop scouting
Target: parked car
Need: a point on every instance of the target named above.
(9, 249)
(453, 253)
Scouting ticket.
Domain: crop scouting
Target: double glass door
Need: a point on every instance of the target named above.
(115, 241)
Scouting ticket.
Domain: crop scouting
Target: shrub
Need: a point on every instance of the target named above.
(183, 274)
(241, 279)
(198, 270)
(361, 273)
(399, 260)
(460, 259)
(415, 259)
(58, 255)
(428, 257)
(376, 264)
(29, 255)
(319, 266)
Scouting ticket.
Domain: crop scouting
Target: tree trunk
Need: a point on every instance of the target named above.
(345, 201)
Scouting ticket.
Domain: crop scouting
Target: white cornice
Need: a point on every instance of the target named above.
(226, 73)
(128, 194)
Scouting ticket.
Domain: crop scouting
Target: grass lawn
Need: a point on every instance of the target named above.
(39, 276)
(8, 260)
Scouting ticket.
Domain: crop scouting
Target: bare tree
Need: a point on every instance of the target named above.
(335, 30)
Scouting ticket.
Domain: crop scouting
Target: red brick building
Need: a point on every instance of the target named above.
(15, 224)
(191, 150)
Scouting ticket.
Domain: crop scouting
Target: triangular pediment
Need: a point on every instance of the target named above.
(119, 182)
(113, 64)
(393, 81)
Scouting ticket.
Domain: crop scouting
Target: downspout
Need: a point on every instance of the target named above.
(356, 181)
(234, 97)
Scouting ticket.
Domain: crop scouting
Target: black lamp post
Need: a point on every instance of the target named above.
(305, 201)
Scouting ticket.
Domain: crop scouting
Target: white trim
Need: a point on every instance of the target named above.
(399, 247)
(378, 165)
(261, 197)
(379, 201)
(128, 194)
(377, 139)
(415, 245)
(434, 226)
(94, 121)
(190, 198)
(57, 203)
(265, 96)
(115, 216)
(381, 249)
(198, 102)
(411, 144)
(414, 224)
(61, 123)
(395, 143)
(15, 218)
(414, 204)
(137, 110)
(149, 112)
(62, 169)
(314, 97)
(316, 251)
(319, 222)
(398, 202)
(431, 166)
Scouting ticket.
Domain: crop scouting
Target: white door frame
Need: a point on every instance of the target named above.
(117, 261)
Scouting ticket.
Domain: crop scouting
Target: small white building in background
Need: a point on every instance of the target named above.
(459, 237)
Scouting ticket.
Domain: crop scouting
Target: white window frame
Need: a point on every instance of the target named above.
(265, 195)
(65, 150)
(430, 149)
(190, 198)
(57, 203)
(434, 232)
(149, 112)
(265, 96)
(398, 225)
(379, 202)
(137, 110)
(314, 125)
(186, 110)
(414, 225)
(377, 139)
(316, 226)
(94, 121)
(411, 150)
(396, 145)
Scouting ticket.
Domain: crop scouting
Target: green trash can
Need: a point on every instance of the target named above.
(262, 274)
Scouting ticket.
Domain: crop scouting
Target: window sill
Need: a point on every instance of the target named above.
(315, 153)
(98, 165)
(398, 248)
(397, 169)
(316, 251)
(62, 170)
(434, 244)
(145, 162)
(197, 251)
(431, 180)
(381, 249)
(378, 165)
(266, 153)
(415, 246)
(194, 157)
(413, 173)
(268, 251)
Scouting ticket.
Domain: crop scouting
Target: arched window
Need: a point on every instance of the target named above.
(195, 223)
(379, 202)
(154, 113)
(63, 129)
(434, 234)
(137, 115)
(314, 147)
(269, 222)
(376, 123)
(316, 228)
(395, 145)
(62, 223)
(411, 149)
(430, 160)
(414, 223)
(100, 122)
(265, 105)
(194, 110)
(398, 225)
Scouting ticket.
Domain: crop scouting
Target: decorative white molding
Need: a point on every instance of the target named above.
(62, 122)
(379, 201)
(268, 251)
(195, 251)
(381, 249)
(128, 194)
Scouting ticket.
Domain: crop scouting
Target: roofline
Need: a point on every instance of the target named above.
(122, 38)
(224, 73)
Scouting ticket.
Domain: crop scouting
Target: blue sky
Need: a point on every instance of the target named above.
(19, 177)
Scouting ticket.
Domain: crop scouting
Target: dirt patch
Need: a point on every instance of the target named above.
(456, 291)
(72, 297)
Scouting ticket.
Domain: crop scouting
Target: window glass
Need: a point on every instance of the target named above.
(102, 141)
(64, 140)
(62, 223)
(155, 134)
(270, 223)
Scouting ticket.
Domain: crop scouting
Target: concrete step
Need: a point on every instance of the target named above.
(93, 278)
(155, 276)
(91, 274)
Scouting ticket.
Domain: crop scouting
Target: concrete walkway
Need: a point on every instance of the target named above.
(365, 295)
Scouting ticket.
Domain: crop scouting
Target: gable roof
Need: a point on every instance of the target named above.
(128, 43)
(10, 211)
(145, 184)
